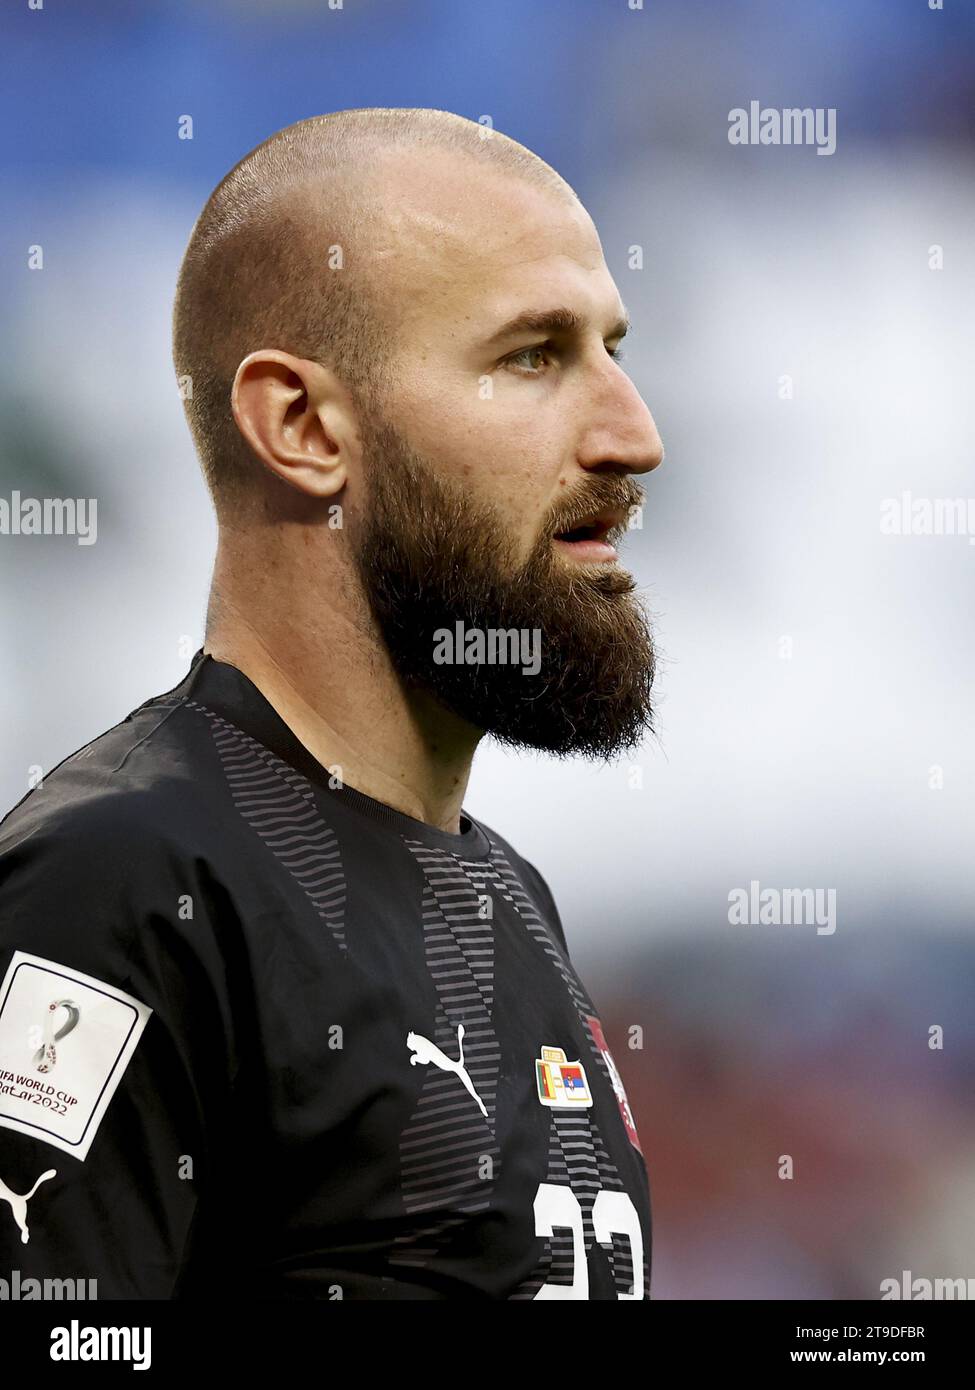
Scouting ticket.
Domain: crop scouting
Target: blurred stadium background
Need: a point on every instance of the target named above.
(819, 769)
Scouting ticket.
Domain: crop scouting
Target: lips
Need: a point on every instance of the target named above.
(587, 540)
(596, 527)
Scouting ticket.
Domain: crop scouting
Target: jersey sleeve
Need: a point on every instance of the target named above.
(115, 1063)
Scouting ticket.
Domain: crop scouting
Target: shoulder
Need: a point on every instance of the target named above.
(531, 878)
(98, 862)
(145, 788)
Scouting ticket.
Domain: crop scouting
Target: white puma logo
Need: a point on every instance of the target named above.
(18, 1202)
(424, 1052)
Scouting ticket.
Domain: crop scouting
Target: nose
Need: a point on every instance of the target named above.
(623, 437)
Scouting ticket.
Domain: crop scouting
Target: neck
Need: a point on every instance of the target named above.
(328, 675)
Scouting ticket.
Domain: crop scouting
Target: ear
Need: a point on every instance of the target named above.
(299, 420)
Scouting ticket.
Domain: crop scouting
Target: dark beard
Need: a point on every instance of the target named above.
(429, 558)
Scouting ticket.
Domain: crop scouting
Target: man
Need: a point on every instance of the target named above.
(279, 1019)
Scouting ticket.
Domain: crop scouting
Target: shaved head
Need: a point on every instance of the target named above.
(292, 252)
(403, 339)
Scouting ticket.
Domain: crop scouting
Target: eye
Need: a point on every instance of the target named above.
(545, 349)
(527, 353)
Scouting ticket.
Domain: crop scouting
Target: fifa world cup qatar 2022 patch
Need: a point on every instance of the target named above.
(65, 1041)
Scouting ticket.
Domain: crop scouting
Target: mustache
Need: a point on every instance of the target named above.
(608, 494)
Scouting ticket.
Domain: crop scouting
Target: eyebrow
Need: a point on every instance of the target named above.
(553, 321)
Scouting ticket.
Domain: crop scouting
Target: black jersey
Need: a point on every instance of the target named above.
(262, 1036)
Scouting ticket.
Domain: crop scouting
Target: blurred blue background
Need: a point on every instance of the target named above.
(815, 697)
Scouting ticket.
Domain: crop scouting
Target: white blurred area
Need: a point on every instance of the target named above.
(762, 523)
(97, 629)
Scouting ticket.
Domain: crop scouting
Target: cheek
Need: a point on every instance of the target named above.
(523, 474)
(509, 464)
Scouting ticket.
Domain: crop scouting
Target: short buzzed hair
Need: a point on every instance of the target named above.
(280, 258)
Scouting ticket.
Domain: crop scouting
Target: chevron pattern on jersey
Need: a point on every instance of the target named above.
(279, 805)
(448, 1153)
(447, 1137)
(577, 1155)
(577, 1159)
